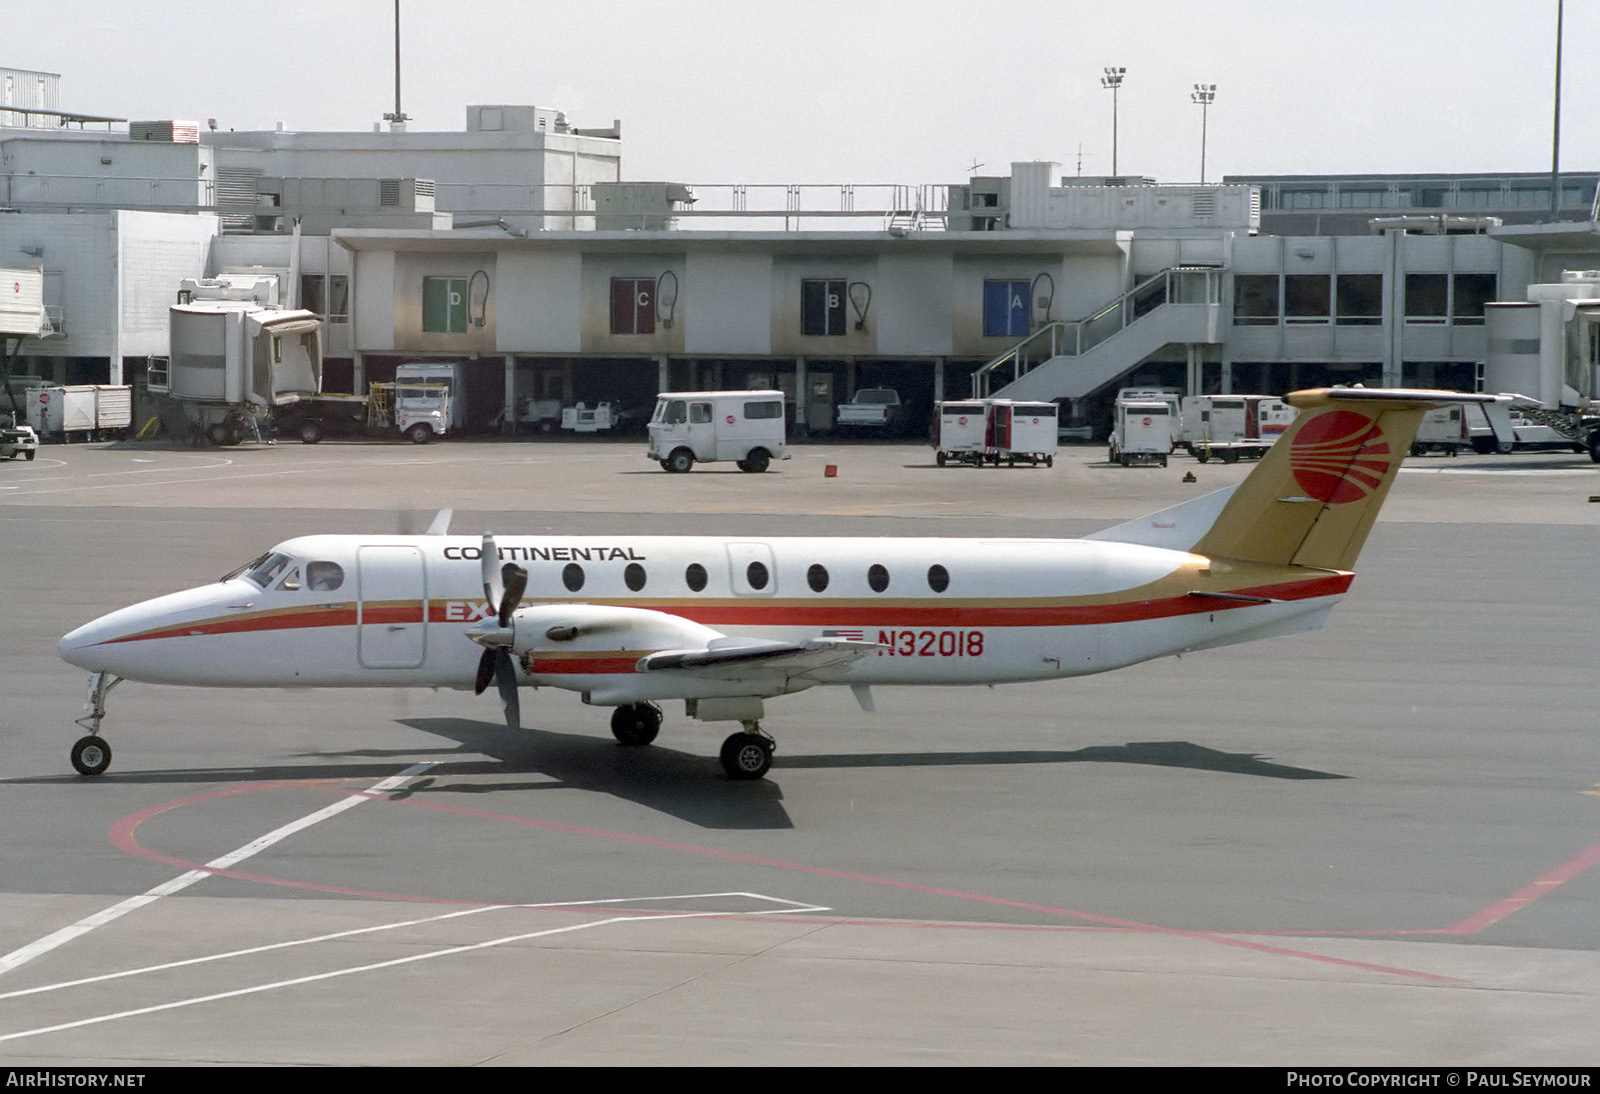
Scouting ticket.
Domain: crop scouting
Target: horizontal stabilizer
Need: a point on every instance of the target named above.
(1177, 527)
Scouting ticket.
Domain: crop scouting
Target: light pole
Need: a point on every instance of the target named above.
(1113, 80)
(1205, 95)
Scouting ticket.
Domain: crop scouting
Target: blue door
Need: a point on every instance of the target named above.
(1005, 309)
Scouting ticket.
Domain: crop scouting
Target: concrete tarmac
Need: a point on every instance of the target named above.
(1370, 845)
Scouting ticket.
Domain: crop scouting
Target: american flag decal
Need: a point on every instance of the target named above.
(847, 635)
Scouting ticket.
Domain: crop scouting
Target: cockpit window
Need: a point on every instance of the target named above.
(267, 570)
(291, 582)
(240, 570)
(324, 576)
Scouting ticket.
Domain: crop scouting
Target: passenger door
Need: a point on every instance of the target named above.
(391, 617)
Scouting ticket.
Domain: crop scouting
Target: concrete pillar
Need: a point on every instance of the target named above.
(802, 398)
(508, 422)
(850, 378)
(1226, 386)
(566, 381)
(663, 373)
(938, 379)
(358, 373)
(717, 382)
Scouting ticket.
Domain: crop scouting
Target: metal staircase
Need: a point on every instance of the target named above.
(1069, 359)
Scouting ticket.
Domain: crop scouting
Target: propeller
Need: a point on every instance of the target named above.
(503, 587)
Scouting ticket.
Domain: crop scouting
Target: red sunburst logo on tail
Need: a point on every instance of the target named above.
(1339, 457)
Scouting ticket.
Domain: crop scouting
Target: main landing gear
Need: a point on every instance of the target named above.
(748, 754)
(91, 755)
(636, 724)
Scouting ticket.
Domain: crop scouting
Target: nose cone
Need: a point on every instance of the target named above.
(137, 642)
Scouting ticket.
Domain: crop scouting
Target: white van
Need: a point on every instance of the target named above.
(744, 426)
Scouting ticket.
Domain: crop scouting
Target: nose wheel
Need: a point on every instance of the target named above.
(747, 755)
(91, 755)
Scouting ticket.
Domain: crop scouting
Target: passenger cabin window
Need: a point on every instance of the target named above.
(695, 577)
(938, 578)
(756, 575)
(817, 577)
(634, 575)
(572, 577)
(878, 578)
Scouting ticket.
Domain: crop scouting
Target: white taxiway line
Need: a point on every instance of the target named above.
(784, 907)
(410, 959)
(66, 934)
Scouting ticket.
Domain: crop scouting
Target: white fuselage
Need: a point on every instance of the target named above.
(943, 611)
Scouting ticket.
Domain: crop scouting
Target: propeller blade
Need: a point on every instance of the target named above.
(516, 581)
(486, 667)
(491, 570)
(506, 677)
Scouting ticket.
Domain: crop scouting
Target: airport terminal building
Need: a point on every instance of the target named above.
(516, 246)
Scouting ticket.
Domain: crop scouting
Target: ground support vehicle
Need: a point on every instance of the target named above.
(1143, 434)
(1171, 397)
(1022, 432)
(452, 374)
(544, 415)
(1445, 430)
(83, 412)
(417, 412)
(744, 426)
(17, 439)
(872, 410)
(1232, 427)
(586, 419)
(960, 432)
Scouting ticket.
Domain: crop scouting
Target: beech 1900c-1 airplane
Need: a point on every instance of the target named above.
(728, 623)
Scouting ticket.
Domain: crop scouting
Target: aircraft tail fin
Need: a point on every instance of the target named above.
(1316, 493)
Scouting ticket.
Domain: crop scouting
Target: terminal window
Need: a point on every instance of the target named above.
(1255, 300)
(1358, 300)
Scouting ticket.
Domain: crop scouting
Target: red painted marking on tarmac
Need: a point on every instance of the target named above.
(1538, 887)
(122, 835)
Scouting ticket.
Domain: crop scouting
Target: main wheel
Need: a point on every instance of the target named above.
(310, 432)
(758, 459)
(91, 755)
(746, 756)
(636, 723)
(680, 461)
(419, 433)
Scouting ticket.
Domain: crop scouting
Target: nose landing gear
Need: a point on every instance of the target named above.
(91, 755)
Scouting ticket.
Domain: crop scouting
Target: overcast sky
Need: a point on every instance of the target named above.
(871, 91)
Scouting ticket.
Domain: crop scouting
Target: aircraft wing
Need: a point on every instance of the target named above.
(731, 658)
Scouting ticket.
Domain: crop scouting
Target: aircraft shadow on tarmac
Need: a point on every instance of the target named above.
(685, 785)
